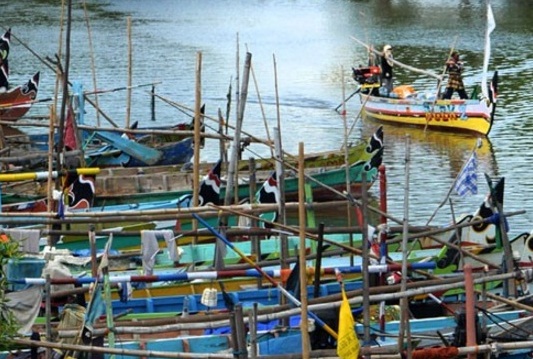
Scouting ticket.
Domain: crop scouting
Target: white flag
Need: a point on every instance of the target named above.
(467, 179)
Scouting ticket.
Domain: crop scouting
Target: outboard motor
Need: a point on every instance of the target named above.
(368, 78)
(459, 336)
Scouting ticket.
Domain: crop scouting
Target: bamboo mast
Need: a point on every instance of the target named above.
(365, 260)
(346, 156)
(280, 171)
(59, 53)
(65, 82)
(306, 344)
(260, 102)
(93, 66)
(232, 168)
(197, 120)
(404, 324)
(130, 64)
(49, 202)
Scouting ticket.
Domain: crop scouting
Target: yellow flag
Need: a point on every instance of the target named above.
(347, 343)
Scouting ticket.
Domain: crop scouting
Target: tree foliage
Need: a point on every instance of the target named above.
(8, 324)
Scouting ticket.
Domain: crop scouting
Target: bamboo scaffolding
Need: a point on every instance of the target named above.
(377, 294)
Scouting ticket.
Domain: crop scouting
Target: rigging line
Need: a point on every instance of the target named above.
(491, 315)
(393, 335)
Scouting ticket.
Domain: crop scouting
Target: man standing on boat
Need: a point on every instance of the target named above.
(386, 70)
(454, 67)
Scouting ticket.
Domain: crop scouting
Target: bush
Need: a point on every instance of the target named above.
(8, 324)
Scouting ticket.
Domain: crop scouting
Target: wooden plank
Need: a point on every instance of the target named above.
(143, 153)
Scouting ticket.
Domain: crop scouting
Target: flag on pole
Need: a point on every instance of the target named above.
(347, 343)
(491, 25)
(467, 180)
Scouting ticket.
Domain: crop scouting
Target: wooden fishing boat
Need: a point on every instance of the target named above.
(426, 109)
(123, 152)
(116, 186)
(16, 102)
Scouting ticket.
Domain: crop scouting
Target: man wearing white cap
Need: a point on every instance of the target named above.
(386, 69)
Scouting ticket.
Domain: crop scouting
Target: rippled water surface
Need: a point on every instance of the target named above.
(302, 52)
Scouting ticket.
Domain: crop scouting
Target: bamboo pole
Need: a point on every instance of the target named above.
(282, 209)
(130, 72)
(48, 311)
(65, 83)
(121, 352)
(304, 325)
(93, 66)
(470, 304)
(365, 261)
(237, 78)
(330, 302)
(197, 124)
(404, 324)
(260, 102)
(50, 183)
(59, 53)
(282, 290)
(396, 62)
(253, 330)
(235, 148)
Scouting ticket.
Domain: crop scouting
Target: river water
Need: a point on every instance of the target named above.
(302, 52)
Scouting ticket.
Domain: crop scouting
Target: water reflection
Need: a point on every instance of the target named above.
(312, 42)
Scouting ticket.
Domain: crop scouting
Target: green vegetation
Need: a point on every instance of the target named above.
(8, 324)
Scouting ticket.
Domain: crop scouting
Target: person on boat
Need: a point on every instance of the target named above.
(386, 70)
(454, 67)
(4, 75)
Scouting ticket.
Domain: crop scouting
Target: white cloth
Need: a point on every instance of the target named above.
(56, 269)
(28, 238)
(149, 249)
(173, 254)
(25, 306)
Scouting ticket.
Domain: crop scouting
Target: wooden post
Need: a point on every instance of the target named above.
(234, 339)
(306, 343)
(241, 334)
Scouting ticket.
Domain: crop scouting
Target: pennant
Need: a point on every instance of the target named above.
(5, 40)
(347, 343)
(293, 282)
(69, 135)
(209, 191)
(269, 193)
(210, 186)
(467, 180)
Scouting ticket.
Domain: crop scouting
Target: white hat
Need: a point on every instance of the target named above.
(387, 48)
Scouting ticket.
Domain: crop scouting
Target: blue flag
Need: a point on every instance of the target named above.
(467, 179)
